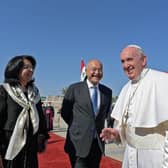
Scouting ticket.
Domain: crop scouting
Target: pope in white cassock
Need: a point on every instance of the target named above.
(141, 113)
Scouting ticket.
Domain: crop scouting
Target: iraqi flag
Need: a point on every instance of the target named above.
(82, 71)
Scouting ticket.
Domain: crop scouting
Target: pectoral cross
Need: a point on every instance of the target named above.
(126, 117)
(124, 123)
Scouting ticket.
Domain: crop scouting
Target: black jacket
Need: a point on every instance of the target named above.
(9, 112)
(77, 112)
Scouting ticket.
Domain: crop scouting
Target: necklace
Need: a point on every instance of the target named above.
(131, 96)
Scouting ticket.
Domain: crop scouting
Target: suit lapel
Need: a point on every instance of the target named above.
(101, 98)
(88, 99)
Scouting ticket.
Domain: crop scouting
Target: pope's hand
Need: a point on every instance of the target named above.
(109, 134)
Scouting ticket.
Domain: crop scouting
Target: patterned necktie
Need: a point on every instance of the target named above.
(94, 99)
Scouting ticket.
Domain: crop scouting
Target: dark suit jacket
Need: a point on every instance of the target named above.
(77, 112)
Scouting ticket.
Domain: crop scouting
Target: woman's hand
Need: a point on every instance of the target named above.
(42, 143)
(1, 163)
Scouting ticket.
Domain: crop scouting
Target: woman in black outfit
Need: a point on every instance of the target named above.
(23, 130)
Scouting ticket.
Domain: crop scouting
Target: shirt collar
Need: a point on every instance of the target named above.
(90, 85)
(143, 73)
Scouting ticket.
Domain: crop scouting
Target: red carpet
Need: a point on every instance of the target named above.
(55, 157)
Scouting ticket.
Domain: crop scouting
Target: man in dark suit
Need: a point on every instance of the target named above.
(85, 123)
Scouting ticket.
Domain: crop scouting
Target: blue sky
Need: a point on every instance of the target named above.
(59, 33)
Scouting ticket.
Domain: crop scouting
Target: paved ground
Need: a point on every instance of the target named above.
(111, 149)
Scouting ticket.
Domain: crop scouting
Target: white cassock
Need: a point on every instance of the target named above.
(141, 115)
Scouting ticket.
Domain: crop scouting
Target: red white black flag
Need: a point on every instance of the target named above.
(82, 71)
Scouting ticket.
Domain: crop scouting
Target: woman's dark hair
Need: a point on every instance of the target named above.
(14, 67)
